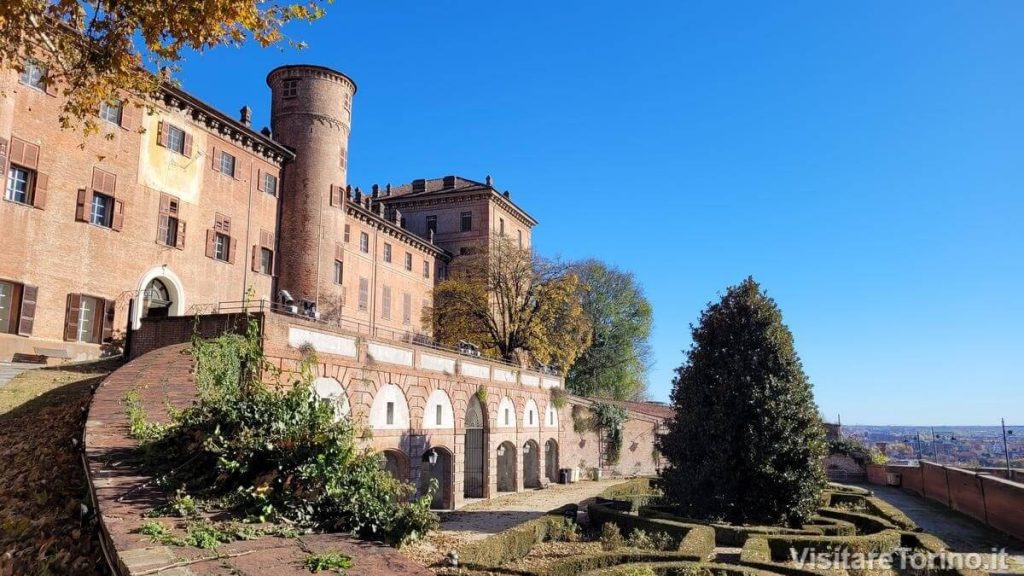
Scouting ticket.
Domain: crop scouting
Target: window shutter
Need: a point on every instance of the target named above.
(232, 251)
(161, 134)
(255, 258)
(129, 116)
(28, 310)
(180, 244)
(71, 317)
(339, 252)
(162, 228)
(24, 154)
(84, 201)
(39, 195)
(117, 222)
(50, 86)
(211, 242)
(214, 160)
(109, 310)
(104, 182)
(259, 181)
(165, 204)
(187, 151)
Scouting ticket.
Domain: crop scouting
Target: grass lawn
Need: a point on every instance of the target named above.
(42, 484)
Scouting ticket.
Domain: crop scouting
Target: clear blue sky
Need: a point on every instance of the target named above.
(863, 160)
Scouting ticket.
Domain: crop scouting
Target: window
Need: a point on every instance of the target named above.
(19, 184)
(501, 226)
(101, 211)
(34, 75)
(520, 234)
(385, 303)
(266, 261)
(170, 227)
(9, 305)
(387, 252)
(466, 251)
(408, 261)
(338, 270)
(364, 294)
(270, 184)
(551, 417)
(426, 269)
(467, 221)
(175, 138)
(89, 319)
(406, 309)
(431, 225)
(347, 232)
(290, 88)
(111, 111)
(222, 247)
(437, 414)
(364, 242)
(507, 417)
(391, 414)
(530, 414)
(87, 313)
(226, 164)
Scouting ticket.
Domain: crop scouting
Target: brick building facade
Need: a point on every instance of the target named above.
(183, 210)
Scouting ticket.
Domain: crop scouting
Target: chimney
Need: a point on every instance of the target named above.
(430, 235)
(246, 115)
(358, 196)
(488, 181)
(419, 185)
(397, 216)
(507, 194)
(449, 182)
(376, 190)
(387, 189)
(266, 132)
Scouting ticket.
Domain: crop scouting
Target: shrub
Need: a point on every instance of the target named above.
(611, 537)
(698, 546)
(650, 541)
(327, 561)
(279, 452)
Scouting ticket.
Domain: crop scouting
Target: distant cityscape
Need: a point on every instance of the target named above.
(968, 446)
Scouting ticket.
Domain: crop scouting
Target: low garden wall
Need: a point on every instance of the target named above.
(989, 499)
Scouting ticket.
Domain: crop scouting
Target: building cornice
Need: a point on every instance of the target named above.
(368, 216)
(443, 197)
(220, 123)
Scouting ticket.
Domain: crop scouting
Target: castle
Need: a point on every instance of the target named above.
(182, 210)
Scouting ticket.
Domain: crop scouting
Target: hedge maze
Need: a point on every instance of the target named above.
(850, 523)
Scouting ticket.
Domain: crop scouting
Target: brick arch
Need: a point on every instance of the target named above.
(499, 414)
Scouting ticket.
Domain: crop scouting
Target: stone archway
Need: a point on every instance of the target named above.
(551, 460)
(160, 293)
(475, 444)
(437, 464)
(330, 390)
(507, 467)
(531, 465)
(397, 464)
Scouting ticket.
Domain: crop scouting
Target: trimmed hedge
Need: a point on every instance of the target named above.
(918, 541)
(830, 526)
(865, 523)
(783, 547)
(627, 563)
(696, 541)
(891, 513)
(516, 542)
(833, 487)
(726, 534)
(633, 487)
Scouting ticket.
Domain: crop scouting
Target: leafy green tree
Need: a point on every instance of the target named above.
(615, 366)
(747, 442)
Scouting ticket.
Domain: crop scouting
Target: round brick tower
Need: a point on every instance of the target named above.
(311, 112)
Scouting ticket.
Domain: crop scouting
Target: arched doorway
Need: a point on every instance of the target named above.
(397, 464)
(156, 300)
(473, 479)
(551, 460)
(531, 465)
(507, 467)
(436, 464)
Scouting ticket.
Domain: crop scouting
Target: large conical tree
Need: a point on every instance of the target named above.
(747, 442)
